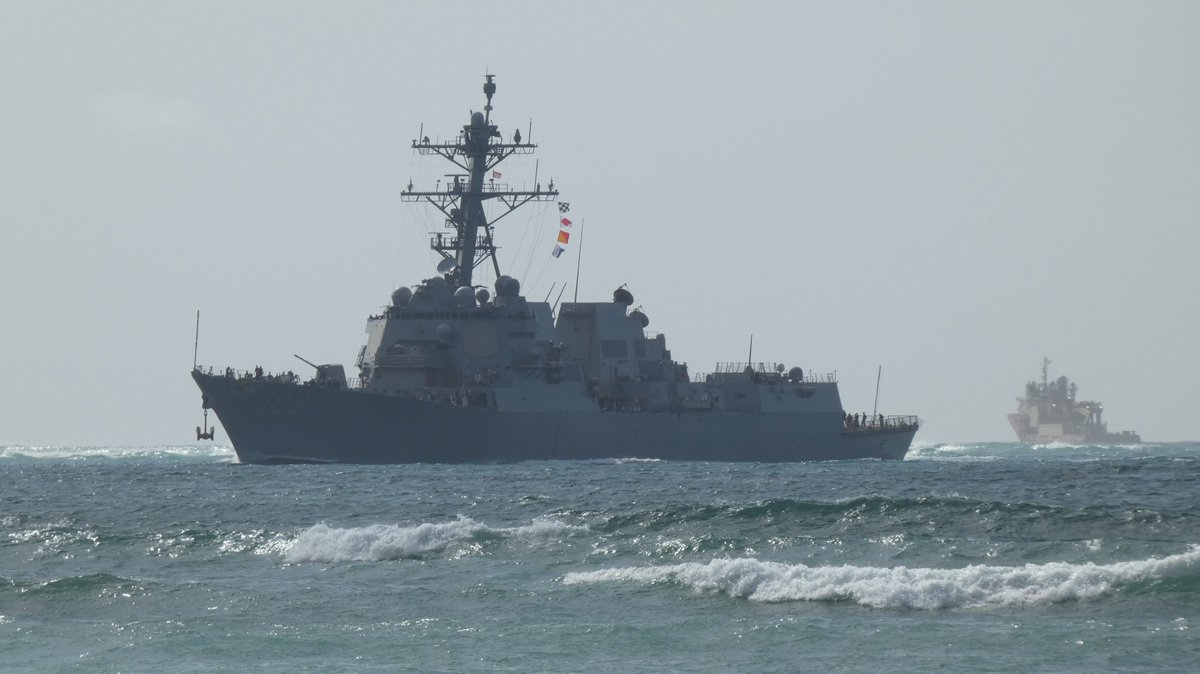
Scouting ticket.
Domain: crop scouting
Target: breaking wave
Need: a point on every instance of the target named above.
(381, 542)
(903, 587)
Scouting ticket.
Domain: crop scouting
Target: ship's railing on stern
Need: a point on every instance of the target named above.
(881, 424)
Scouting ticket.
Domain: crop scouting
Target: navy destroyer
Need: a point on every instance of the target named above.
(453, 371)
(1049, 412)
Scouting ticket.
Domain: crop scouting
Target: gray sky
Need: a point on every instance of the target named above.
(951, 190)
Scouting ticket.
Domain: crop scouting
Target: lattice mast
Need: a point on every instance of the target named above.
(477, 150)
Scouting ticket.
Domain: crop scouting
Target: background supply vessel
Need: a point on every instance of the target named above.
(1049, 412)
(452, 373)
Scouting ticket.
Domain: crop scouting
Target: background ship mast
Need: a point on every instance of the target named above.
(477, 150)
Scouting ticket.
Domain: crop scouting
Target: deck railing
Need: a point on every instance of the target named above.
(880, 423)
(764, 370)
(288, 377)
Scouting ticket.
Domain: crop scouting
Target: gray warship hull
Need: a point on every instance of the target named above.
(451, 373)
(278, 422)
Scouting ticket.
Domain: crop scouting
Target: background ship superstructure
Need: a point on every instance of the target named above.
(451, 372)
(1049, 412)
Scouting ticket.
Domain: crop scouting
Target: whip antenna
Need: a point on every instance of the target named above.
(579, 258)
(878, 376)
(196, 346)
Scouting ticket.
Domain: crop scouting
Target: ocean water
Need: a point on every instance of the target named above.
(963, 558)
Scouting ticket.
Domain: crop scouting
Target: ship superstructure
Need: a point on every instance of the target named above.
(1050, 412)
(453, 371)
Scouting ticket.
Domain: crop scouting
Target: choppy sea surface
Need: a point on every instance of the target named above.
(962, 558)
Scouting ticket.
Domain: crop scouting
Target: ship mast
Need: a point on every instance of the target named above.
(477, 150)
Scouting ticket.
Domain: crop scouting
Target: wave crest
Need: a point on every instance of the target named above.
(901, 587)
(382, 542)
(103, 585)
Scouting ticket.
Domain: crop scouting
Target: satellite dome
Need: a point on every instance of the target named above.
(477, 119)
(482, 295)
(464, 297)
(507, 286)
(401, 296)
(444, 333)
(623, 296)
(796, 374)
(637, 315)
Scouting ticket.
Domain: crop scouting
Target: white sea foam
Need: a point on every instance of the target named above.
(919, 445)
(378, 542)
(1056, 445)
(622, 461)
(932, 451)
(901, 587)
(951, 452)
(541, 527)
(117, 452)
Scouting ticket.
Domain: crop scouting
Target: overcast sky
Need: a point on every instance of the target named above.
(949, 190)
